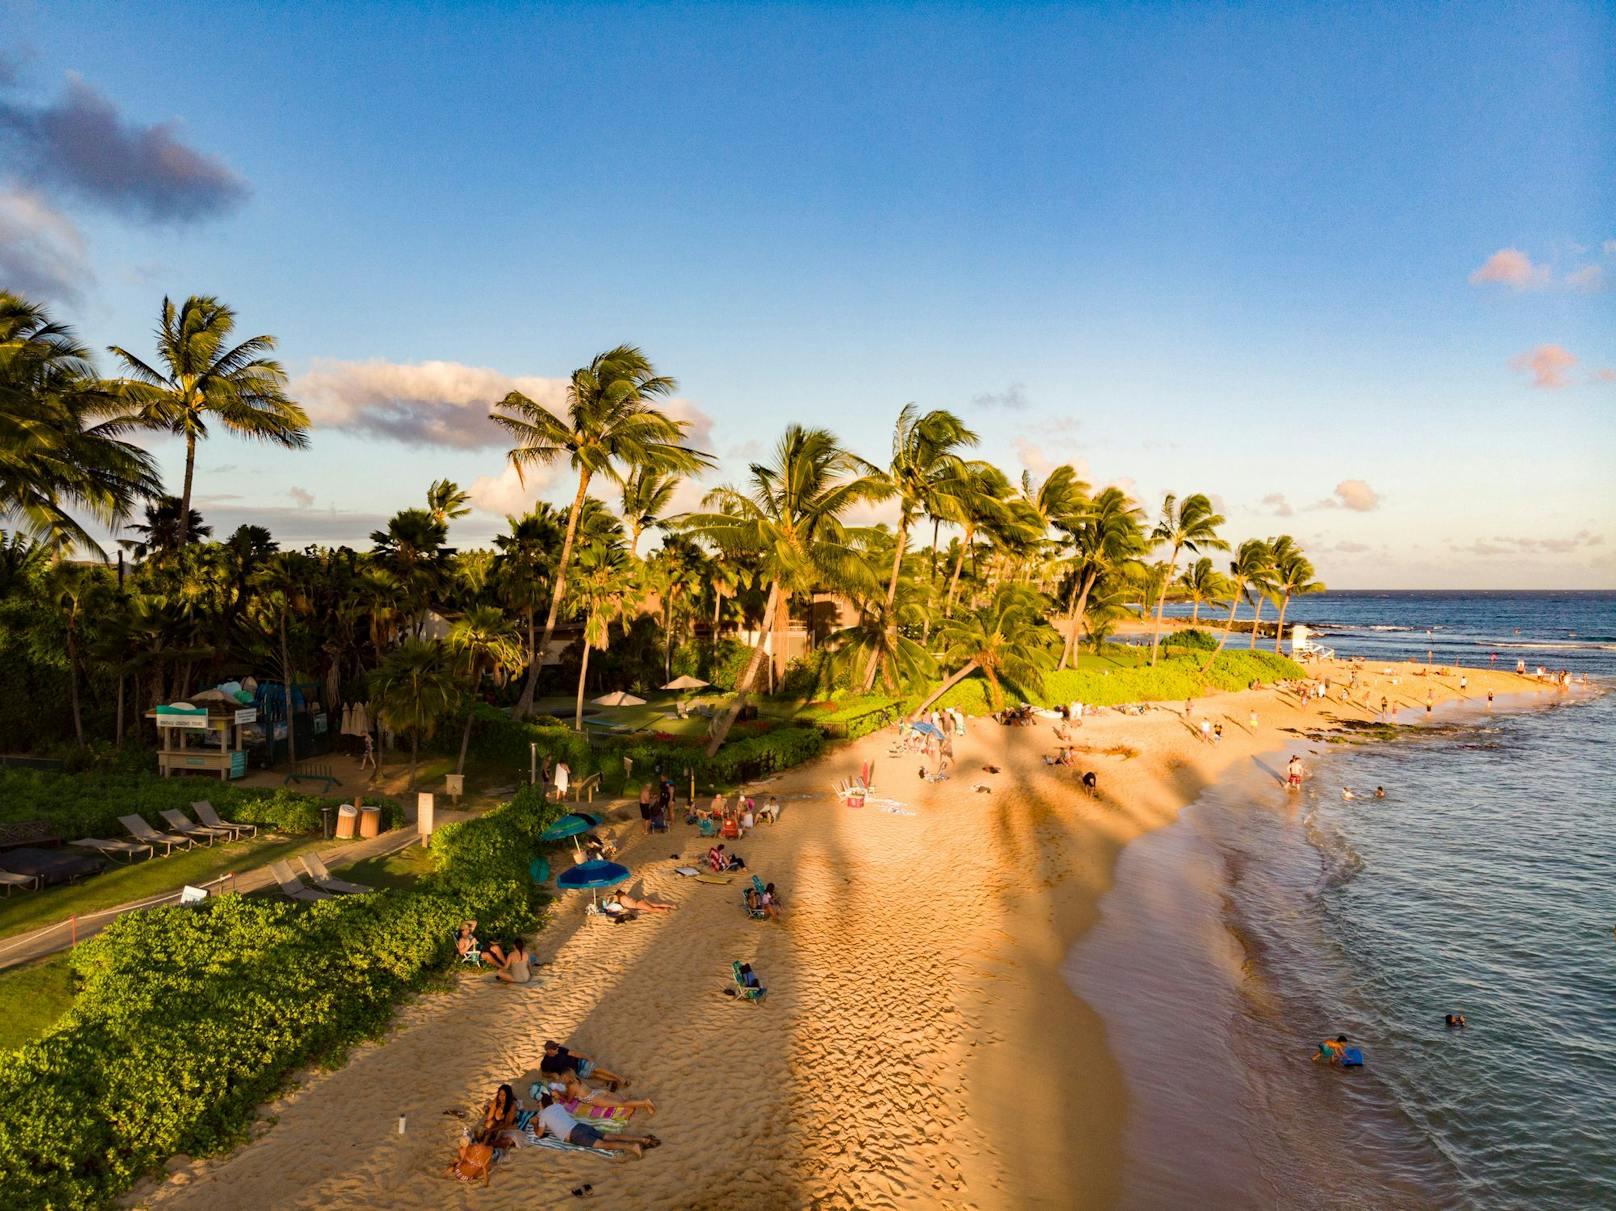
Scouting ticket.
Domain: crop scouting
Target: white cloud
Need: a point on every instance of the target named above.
(1012, 398)
(1548, 366)
(301, 497)
(1276, 504)
(1531, 545)
(41, 251)
(1590, 279)
(1513, 268)
(1353, 494)
(505, 493)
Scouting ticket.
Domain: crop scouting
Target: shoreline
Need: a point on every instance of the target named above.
(912, 1051)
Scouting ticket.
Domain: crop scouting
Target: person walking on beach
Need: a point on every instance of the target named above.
(1253, 723)
(1206, 730)
(1293, 773)
(1385, 710)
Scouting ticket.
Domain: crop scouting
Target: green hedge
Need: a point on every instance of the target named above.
(188, 1018)
(736, 762)
(1102, 683)
(89, 804)
(851, 720)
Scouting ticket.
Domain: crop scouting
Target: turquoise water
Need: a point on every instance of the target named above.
(1259, 923)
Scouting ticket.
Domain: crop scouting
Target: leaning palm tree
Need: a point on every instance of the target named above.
(62, 453)
(788, 518)
(612, 427)
(925, 471)
(1106, 539)
(604, 583)
(1293, 577)
(1191, 525)
(1260, 587)
(646, 495)
(980, 504)
(1250, 565)
(203, 376)
(413, 689)
(1004, 640)
(901, 659)
(1200, 582)
(485, 640)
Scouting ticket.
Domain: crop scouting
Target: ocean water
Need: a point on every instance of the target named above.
(1485, 883)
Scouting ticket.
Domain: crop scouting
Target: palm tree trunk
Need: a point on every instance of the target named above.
(286, 674)
(73, 685)
(471, 708)
(958, 677)
(1195, 611)
(1279, 630)
(901, 541)
(524, 706)
(1256, 617)
(415, 749)
(118, 733)
(1077, 620)
(936, 527)
(1234, 604)
(185, 494)
(953, 581)
(744, 685)
(1161, 604)
(583, 672)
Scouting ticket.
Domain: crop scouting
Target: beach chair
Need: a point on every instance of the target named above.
(706, 826)
(755, 913)
(731, 828)
(111, 849)
(178, 821)
(473, 954)
(9, 881)
(326, 881)
(292, 887)
(205, 813)
(141, 831)
(743, 990)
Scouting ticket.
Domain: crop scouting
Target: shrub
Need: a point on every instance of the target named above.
(850, 720)
(1193, 639)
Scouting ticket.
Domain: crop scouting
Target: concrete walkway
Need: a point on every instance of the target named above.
(49, 939)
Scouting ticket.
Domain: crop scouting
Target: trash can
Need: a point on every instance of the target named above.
(370, 820)
(347, 821)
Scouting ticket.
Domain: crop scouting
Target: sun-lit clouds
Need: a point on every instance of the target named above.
(1500, 545)
(1605, 374)
(1590, 279)
(1348, 547)
(302, 497)
(1013, 398)
(82, 144)
(1547, 364)
(1351, 494)
(41, 251)
(1513, 268)
(1275, 505)
(509, 493)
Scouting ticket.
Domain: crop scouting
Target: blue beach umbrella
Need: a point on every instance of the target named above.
(926, 729)
(588, 876)
(572, 825)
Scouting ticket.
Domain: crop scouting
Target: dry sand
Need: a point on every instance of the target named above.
(918, 1047)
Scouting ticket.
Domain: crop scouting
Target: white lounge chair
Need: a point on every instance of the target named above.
(178, 821)
(205, 813)
(112, 849)
(326, 881)
(9, 880)
(141, 831)
(292, 887)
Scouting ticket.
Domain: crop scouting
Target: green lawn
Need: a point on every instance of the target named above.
(32, 998)
(401, 870)
(119, 884)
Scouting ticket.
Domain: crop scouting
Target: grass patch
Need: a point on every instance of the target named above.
(33, 998)
(147, 877)
(404, 869)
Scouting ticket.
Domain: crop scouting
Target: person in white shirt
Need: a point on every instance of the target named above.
(554, 1120)
(563, 779)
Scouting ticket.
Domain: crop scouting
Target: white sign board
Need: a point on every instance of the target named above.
(199, 722)
(423, 814)
(247, 714)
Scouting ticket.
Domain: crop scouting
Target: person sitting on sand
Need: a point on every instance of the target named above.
(770, 811)
(516, 968)
(566, 1087)
(715, 809)
(477, 1155)
(635, 904)
(1091, 783)
(557, 1059)
(719, 861)
(1454, 1021)
(466, 938)
(1331, 1051)
(766, 901)
(554, 1120)
(748, 820)
(499, 1116)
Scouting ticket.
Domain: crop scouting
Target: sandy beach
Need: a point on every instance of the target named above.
(918, 1046)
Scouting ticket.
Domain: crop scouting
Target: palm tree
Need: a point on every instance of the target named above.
(1054, 505)
(789, 519)
(1293, 577)
(69, 589)
(1004, 641)
(646, 495)
(204, 375)
(1249, 566)
(414, 689)
(521, 570)
(604, 581)
(878, 634)
(925, 469)
(484, 640)
(1106, 538)
(612, 427)
(61, 447)
(980, 504)
(283, 592)
(1192, 525)
(446, 502)
(162, 534)
(1201, 582)
(1259, 587)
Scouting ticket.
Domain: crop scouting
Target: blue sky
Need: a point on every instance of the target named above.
(1347, 268)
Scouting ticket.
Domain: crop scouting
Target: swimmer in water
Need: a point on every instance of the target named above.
(1346, 793)
(1380, 792)
(1455, 1021)
(1331, 1051)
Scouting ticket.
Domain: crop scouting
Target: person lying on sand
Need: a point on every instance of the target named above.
(635, 904)
(566, 1087)
(556, 1121)
(557, 1059)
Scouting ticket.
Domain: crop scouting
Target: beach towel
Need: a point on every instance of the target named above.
(689, 872)
(599, 1116)
(550, 1141)
(894, 810)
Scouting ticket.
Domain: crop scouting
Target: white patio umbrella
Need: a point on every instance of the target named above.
(686, 682)
(620, 698)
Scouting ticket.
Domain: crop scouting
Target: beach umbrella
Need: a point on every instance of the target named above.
(686, 682)
(926, 729)
(589, 876)
(573, 824)
(620, 698)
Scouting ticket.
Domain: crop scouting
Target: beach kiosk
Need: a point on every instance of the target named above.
(203, 739)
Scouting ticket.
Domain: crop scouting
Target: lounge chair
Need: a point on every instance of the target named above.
(292, 887)
(180, 823)
(9, 880)
(326, 881)
(112, 849)
(743, 990)
(141, 831)
(205, 813)
(473, 954)
(757, 913)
